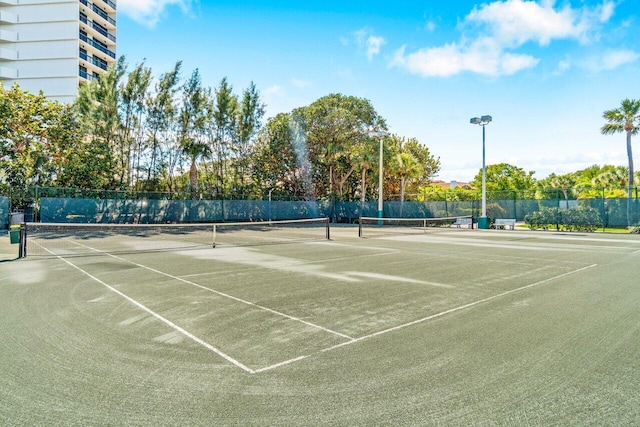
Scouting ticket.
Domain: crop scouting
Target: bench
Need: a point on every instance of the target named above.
(463, 221)
(503, 223)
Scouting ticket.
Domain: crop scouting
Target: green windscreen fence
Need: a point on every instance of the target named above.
(609, 212)
(150, 211)
(4, 212)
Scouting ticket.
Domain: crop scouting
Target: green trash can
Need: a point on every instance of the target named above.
(484, 223)
(14, 235)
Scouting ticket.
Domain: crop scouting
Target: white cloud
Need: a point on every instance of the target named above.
(300, 84)
(612, 59)
(430, 26)
(368, 42)
(274, 90)
(606, 11)
(516, 22)
(563, 66)
(617, 58)
(495, 31)
(373, 46)
(149, 12)
(480, 57)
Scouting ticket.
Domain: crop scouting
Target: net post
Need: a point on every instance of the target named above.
(214, 236)
(360, 227)
(22, 245)
(328, 228)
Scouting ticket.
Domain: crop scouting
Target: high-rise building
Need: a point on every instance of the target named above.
(54, 45)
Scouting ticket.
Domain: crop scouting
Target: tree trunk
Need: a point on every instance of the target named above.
(364, 185)
(193, 179)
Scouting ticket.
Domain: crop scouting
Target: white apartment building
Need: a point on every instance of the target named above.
(54, 45)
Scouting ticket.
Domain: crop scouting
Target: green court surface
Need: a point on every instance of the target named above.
(455, 327)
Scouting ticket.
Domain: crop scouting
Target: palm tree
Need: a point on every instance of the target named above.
(406, 166)
(195, 150)
(624, 119)
(192, 122)
(366, 160)
(563, 182)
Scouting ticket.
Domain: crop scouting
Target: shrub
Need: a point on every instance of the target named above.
(575, 219)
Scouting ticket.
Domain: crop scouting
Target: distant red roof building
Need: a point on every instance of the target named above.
(452, 184)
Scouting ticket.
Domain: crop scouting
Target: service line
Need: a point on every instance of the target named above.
(433, 316)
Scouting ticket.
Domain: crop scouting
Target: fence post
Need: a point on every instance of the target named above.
(604, 212)
(446, 204)
(557, 210)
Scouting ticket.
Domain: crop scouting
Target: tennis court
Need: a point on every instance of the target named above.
(440, 327)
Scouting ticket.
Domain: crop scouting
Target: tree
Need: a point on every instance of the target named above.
(43, 144)
(406, 166)
(624, 119)
(192, 124)
(366, 159)
(278, 165)
(248, 123)
(97, 108)
(430, 164)
(161, 114)
(503, 176)
(224, 116)
(333, 125)
(562, 182)
(132, 108)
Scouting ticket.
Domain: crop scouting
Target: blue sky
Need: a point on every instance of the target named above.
(545, 70)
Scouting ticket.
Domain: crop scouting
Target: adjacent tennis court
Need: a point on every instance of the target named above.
(446, 326)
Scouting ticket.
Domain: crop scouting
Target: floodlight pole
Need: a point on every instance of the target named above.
(483, 221)
(380, 134)
(380, 184)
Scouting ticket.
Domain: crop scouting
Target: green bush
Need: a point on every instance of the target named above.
(575, 219)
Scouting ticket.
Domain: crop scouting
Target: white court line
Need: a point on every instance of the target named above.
(158, 316)
(425, 319)
(278, 365)
(252, 304)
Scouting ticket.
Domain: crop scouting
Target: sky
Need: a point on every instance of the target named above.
(544, 70)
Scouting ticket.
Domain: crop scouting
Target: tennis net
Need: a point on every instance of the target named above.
(370, 227)
(70, 239)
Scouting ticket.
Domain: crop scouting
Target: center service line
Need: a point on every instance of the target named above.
(425, 319)
(188, 282)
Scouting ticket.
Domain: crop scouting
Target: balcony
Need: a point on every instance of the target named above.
(85, 74)
(95, 61)
(97, 45)
(110, 3)
(101, 13)
(99, 28)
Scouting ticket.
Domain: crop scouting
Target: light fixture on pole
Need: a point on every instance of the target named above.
(380, 134)
(483, 221)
